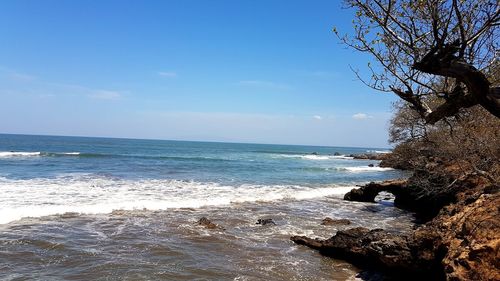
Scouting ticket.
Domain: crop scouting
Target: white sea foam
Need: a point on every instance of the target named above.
(379, 151)
(342, 157)
(96, 195)
(11, 154)
(71, 153)
(314, 157)
(7, 154)
(362, 169)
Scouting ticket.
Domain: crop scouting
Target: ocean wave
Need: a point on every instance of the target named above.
(21, 154)
(8, 154)
(379, 151)
(60, 154)
(357, 169)
(90, 194)
(341, 157)
(313, 156)
(11, 154)
(71, 153)
(361, 169)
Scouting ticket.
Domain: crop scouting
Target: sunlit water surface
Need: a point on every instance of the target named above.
(114, 209)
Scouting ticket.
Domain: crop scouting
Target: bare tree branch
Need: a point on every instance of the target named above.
(420, 44)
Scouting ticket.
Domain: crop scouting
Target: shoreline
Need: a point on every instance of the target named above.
(297, 202)
(253, 248)
(456, 236)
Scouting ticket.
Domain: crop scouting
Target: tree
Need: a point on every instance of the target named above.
(469, 141)
(431, 50)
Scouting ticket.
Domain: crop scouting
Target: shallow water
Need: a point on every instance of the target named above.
(128, 209)
(150, 245)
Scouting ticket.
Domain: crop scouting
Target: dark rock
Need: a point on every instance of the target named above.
(208, 224)
(370, 156)
(314, 153)
(419, 194)
(265, 222)
(359, 156)
(336, 154)
(368, 192)
(396, 254)
(330, 221)
(460, 243)
(371, 165)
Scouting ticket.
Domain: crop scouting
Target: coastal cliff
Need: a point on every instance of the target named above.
(457, 238)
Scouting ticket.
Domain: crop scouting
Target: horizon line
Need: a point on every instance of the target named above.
(185, 140)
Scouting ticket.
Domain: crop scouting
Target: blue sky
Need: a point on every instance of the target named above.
(265, 71)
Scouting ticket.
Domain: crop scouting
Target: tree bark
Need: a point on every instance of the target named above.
(479, 91)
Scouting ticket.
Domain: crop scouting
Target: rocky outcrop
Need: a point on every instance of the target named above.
(370, 156)
(461, 243)
(209, 224)
(397, 255)
(330, 221)
(265, 222)
(470, 231)
(368, 192)
(424, 193)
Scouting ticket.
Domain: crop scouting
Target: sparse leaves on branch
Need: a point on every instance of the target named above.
(430, 48)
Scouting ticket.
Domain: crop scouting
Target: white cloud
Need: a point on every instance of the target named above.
(317, 117)
(361, 116)
(105, 95)
(168, 74)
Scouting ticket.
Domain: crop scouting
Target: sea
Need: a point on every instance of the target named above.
(80, 208)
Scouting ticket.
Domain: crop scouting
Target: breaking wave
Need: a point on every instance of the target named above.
(11, 154)
(362, 169)
(313, 156)
(379, 151)
(6, 154)
(91, 194)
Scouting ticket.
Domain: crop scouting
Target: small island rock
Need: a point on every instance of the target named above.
(330, 221)
(208, 224)
(265, 222)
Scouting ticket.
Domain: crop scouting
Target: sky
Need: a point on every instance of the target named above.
(260, 71)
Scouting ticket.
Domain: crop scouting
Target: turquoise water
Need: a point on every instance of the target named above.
(26, 157)
(116, 209)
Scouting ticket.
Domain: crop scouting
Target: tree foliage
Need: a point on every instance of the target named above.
(469, 143)
(470, 140)
(433, 54)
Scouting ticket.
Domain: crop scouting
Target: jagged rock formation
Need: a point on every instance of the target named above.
(469, 230)
(399, 255)
(423, 193)
(209, 224)
(265, 222)
(370, 156)
(330, 221)
(461, 243)
(368, 192)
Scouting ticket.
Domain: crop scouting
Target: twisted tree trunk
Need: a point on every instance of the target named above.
(443, 62)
